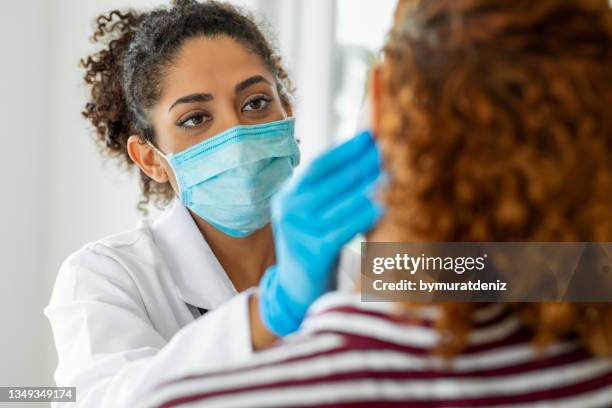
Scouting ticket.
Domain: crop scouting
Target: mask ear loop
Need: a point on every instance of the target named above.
(159, 152)
(169, 163)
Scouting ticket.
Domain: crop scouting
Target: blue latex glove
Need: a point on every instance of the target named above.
(312, 218)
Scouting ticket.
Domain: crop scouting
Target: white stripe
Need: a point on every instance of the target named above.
(352, 299)
(410, 335)
(600, 398)
(429, 312)
(508, 356)
(432, 312)
(489, 312)
(355, 360)
(494, 332)
(371, 390)
(297, 345)
(372, 327)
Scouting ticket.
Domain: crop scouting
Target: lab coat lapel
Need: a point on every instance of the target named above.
(199, 277)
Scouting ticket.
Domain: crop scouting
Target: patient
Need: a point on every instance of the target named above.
(494, 120)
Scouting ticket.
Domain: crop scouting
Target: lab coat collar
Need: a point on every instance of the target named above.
(200, 278)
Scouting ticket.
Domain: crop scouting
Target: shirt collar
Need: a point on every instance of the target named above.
(199, 277)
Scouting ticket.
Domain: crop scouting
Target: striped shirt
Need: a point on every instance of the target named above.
(353, 354)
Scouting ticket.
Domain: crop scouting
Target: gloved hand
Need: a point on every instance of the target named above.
(312, 218)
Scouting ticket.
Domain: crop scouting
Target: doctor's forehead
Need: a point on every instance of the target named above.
(211, 65)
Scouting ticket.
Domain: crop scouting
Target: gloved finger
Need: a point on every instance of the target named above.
(361, 221)
(343, 181)
(311, 199)
(336, 157)
(349, 203)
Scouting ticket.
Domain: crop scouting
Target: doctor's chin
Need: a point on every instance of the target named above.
(292, 203)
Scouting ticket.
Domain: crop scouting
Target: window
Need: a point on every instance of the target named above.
(361, 29)
(328, 46)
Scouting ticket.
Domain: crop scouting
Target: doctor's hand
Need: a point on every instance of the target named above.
(313, 217)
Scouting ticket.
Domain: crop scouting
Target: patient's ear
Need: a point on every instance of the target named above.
(375, 99)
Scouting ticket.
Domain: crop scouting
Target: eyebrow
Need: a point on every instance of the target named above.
(196, 97)
(206, 97)
(241, 86)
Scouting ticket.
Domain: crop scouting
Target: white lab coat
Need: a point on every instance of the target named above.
(124, 311)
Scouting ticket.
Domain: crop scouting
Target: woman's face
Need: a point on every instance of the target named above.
(212, 84)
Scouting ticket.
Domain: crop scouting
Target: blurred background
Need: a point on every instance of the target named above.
(59, 193)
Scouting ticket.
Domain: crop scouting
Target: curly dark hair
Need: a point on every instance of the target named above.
(496, 126)
(124, 76)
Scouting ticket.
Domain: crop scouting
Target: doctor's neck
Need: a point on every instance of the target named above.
(244, 259)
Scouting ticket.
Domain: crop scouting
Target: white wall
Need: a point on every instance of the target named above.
(56, 196)
(25, 191)
(305, 31)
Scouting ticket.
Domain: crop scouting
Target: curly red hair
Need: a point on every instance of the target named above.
(495, 126)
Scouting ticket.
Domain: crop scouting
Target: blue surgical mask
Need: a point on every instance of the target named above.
(228, 180)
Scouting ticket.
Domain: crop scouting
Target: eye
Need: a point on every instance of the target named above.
(257, 103)
(194, 120)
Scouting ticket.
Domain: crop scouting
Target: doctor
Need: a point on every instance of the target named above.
(195, 97)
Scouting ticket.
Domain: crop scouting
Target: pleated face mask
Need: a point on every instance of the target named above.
(228, 180)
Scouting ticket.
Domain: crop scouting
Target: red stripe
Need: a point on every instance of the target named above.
(522, 335)
(564, 359)
(550, 394)
(255, 367)
(358, 343)
(403, 319)
(352, 342)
